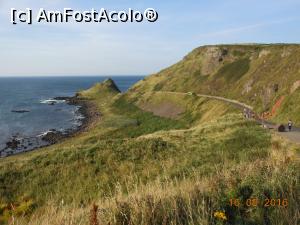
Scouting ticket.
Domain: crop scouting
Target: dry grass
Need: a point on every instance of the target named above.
(192, 200)
(156, 172)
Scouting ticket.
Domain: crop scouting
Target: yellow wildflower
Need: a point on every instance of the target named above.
(220, 215)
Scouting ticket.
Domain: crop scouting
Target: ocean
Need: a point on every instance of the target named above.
(25, 111)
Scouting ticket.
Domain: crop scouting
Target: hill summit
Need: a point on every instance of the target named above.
(105, 89)
(266, 76)
(156, 157)
(110, 84)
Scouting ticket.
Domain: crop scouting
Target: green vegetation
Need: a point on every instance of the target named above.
(163, 158)
(289, 109)
(148, 181)
(144, 122)
(234, 71)
(102, 90)
(21, 209)
(257, 75)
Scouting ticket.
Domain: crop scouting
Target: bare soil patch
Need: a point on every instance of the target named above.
(164, 109)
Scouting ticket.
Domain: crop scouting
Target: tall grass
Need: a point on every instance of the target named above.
(155, 171)
(195, 200)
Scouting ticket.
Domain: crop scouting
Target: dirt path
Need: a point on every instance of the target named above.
(293, 136)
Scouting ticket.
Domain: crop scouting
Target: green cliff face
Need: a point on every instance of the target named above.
(154, 157)
(106, 89)
(258, 75)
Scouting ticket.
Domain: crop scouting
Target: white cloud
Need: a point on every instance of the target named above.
(119, 48)
(237, 30)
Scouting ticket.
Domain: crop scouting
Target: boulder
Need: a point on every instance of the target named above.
(281, 128)
(20, 111)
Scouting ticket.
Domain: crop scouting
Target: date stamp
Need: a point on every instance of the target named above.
(255, 202)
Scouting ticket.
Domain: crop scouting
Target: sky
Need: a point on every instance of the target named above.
(137, 48)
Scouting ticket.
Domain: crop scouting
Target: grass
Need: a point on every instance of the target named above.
(158, 186)
(132, 167)
(247, 73)
(289, 109)
(145, 122)
(234, 71)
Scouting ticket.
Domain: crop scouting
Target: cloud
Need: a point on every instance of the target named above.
(237, 30)
(78, 48)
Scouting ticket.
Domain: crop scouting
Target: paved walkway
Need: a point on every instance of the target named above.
(293, 136)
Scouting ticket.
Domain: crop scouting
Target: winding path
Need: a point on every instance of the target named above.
(293, 136)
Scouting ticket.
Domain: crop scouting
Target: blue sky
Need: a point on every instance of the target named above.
(139, 48)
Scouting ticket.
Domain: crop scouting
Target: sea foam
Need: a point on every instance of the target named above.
(52, 101)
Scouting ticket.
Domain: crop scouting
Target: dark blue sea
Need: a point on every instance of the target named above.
(33, 95)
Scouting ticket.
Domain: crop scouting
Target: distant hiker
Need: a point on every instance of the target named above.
(250, 114)
(290, 124)
(245, 113)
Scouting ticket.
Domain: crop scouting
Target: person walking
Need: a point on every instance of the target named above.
(290, 124)
(245, 113)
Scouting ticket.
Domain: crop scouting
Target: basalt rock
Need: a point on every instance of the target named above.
(20, 111)
(53, 137)
(13, 144)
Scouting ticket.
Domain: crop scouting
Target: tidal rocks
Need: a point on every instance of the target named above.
(87, 113)
(52, 101)
(13, 144)
(68, 100)
(20, 111)
(53, 137)
(22, 144)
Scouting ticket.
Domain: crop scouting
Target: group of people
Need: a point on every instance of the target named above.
(248, 115)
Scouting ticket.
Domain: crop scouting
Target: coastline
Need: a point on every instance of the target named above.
(86, 109)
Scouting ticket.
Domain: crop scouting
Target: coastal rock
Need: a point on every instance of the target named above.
(212, 58)
(13, 144)
(69, 100)
(53, 137)
(20, 111)
(52, 101)
(87, 113)
(111, 84)
(61, 98)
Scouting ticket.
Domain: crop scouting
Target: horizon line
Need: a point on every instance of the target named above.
(40, 76)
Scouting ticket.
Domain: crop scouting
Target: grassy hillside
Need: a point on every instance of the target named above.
(141, 168)
(258, 75)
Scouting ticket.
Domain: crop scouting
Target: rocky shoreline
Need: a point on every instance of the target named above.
(88, 113)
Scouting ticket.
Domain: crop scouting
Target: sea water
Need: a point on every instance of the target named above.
(34, 95)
